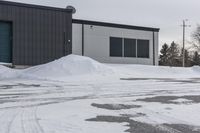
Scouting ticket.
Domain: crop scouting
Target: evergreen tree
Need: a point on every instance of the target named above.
(196, 59)
(188, 58)
(164, 55)
(174, 58)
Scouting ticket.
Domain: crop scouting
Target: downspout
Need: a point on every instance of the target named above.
(83, 39)
(154, 61)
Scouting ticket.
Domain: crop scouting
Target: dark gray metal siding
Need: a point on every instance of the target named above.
(40, 35)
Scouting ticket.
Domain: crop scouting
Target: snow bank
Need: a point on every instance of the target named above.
(6, 72)
(72, 65)
(196, 69)
(144, 71)
(4, 69)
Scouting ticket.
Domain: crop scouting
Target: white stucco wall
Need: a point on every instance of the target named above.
(156, 35)
(77, 39)
(97, 43)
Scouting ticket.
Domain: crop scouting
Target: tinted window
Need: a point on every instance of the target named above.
(129, 47)
(116, 47)
(143, 48)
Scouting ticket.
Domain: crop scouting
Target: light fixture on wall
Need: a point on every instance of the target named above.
(91, 27)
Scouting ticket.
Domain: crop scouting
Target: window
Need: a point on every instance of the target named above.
(129, 47)
(126, 47)
(143, 48)
(116, 47)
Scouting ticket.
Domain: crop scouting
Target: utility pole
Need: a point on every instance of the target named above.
(183, 52)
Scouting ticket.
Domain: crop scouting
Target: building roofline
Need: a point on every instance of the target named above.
(34, 6)
(115, 25)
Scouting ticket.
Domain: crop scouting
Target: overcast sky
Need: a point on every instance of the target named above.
(164, 14)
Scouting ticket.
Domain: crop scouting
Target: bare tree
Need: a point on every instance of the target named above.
(196, 38)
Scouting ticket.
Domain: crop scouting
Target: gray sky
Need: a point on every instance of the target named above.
(164, 14)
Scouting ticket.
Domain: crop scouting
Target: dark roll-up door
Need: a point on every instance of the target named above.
(5, 42)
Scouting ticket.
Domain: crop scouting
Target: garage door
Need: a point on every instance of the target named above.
(5, 42)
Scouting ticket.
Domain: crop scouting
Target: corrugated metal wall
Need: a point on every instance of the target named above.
(39, 35)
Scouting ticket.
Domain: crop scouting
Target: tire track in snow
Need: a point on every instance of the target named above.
(57, 126)
(6, 120)
(30, 123)
(22, 126)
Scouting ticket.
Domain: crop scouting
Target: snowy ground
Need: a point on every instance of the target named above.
(99, 98)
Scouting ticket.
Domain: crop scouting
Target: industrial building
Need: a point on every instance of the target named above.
(33, 34)
(115, 43)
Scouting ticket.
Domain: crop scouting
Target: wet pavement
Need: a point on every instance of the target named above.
(172, 99)
(139, 127)
(115, 106)
(172, 80)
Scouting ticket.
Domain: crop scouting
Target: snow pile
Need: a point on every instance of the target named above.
(72, 65)
(196, 69)
(6, 72)
(4, 69)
